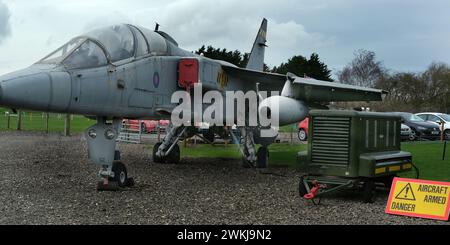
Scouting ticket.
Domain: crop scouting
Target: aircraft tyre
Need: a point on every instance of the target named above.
(262, 157)
(156, 159)
(246, 164)
(174, 155)
(120, 174)
(209, 135)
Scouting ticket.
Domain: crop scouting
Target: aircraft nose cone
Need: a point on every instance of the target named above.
(25, 91)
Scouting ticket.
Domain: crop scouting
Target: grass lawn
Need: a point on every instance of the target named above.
(280, 154)
(35, 121)
(289, 128)
(427, 156)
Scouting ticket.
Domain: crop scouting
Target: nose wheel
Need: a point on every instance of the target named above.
(118, 179)
(120, 174)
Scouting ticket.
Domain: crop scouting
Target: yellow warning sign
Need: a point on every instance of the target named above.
(419, 198)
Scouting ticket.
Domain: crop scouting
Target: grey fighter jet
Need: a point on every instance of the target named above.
(127, 71)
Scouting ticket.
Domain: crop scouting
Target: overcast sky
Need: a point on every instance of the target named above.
(406, 35)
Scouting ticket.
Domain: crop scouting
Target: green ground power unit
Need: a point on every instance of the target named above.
(350, 149)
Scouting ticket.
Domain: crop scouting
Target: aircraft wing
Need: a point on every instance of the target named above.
(312, 90)
(256, 76)
(307, 89)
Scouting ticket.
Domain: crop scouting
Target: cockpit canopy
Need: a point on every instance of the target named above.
(108, 45)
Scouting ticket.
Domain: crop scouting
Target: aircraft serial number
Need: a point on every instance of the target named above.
(246, 235)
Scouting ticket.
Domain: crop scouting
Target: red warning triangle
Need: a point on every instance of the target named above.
(406, 193)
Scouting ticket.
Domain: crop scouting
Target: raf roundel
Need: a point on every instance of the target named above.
(156, 80)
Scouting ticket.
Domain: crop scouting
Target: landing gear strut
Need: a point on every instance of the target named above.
(101, 139)
(168, 150)
(251, 157)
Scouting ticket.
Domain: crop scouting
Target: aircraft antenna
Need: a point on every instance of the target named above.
(157, 27)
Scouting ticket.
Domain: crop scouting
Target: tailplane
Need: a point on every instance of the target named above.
(256, 59)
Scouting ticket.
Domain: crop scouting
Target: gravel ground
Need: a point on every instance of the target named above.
(48, 180)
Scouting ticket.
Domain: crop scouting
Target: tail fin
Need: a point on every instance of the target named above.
(256, 59)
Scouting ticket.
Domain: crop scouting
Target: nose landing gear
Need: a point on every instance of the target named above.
(101, 139)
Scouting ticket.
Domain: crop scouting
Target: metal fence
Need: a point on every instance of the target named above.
(135, 132)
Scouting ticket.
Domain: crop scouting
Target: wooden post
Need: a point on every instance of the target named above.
(292, 134)
(67, 125)
(19, 120)
(8, 119)
(47, 117)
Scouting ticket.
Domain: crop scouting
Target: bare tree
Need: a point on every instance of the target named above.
(437, 80)
(364, 70)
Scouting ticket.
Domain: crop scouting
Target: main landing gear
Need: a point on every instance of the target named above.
(101, 139)
(252, 158)
(168, 150)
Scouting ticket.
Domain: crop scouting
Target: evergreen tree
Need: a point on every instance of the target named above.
(302, 66)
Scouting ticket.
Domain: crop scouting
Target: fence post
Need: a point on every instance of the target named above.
(159, 132)
(67, 125)
(8, 118)
(292, 134)
(47, 116)
(19, 120)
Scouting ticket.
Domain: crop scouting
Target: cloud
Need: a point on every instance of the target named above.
(406, 36)
(112, 18)
(222, 24)
(5, 28)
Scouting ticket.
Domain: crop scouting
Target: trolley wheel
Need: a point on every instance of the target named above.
(369, 191)
(387, 180)
(262, 157)
(120, 174)
(174, 155)
(302, 188)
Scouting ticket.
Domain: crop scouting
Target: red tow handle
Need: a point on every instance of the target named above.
(312, 193)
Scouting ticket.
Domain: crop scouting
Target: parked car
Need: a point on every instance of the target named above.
(437, 119)
(303, 129)
(406, 133)
(147, 126)
(419, 128)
